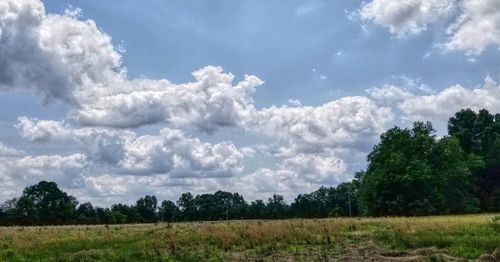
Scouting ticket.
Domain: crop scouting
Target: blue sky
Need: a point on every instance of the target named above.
(330, 76)
(289, 44)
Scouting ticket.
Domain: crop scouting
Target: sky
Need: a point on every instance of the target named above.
(116, 100)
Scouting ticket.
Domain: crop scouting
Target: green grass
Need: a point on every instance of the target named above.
(422, 238)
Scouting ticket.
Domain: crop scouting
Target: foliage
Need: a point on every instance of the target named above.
(411, 172)
(45, 203)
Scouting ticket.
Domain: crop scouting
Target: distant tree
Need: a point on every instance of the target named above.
(104, 216)
(343, 200)
(257, 209)
(86, 214)
(45, 203)
(122, 213)
(187, 206)
(312, 205)
(168, 211)
(146, 208)
(277, 207)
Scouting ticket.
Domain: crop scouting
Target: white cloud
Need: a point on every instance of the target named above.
(101, 144)
(294, 102)
(349, 122)
(170, 152)
(476, 28)
(41, 130)
(405, 17)
(18, 172)
(6, 151)
(207, 104)
(107, 103)
(316, 169)
(444, 104)
(404, 89)
(55, 55)
(74, 61)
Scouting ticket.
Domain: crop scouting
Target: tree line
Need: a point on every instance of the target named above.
(46, 204)
(410, 172)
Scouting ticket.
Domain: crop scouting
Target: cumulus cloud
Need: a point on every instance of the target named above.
(206, 104)
(171, 151)
(72, 60)
(405, 17)
(420, 103)
(315, 168)
(349, 122)
(55, 55)
(63, 57)
(20, 171)
(476, 28)
(41, 130)
(403, 89)
(440, 106)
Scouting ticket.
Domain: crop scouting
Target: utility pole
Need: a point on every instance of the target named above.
(227, 210)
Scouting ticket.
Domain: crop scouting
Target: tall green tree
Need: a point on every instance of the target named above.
(187, 206)
(411, 172)
(479, 136)
(277, 207)
(168, 211)
(45, 203)
(146, 208)
(86, 214)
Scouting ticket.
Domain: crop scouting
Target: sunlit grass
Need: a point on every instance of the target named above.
(468, 236)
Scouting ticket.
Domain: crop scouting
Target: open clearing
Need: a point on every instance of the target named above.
(443, 238)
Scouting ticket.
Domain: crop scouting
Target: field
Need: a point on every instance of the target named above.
(443, 238)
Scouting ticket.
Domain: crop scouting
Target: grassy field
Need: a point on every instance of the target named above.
(444, 238)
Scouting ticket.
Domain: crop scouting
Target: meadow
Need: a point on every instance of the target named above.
(439, 238)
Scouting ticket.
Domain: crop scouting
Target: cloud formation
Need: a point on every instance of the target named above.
(476, 28)
(348, 122)
(476, 22)
(57, 56)
(131, 136)
(207, 104)
(405, 17)
(438, 106)
(170, 152)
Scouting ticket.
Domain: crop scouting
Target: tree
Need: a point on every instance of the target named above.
(122, 213)
(410, 172)
(45, 203)
(168, 211)
(257, 209)
(187, 206)
(146, 208)
(10, 213)
(86, 214)
(479, 136)
(277, 207)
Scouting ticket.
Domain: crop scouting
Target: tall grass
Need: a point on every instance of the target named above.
(467, 236)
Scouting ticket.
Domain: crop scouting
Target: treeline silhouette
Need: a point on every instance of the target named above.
(410, 172)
